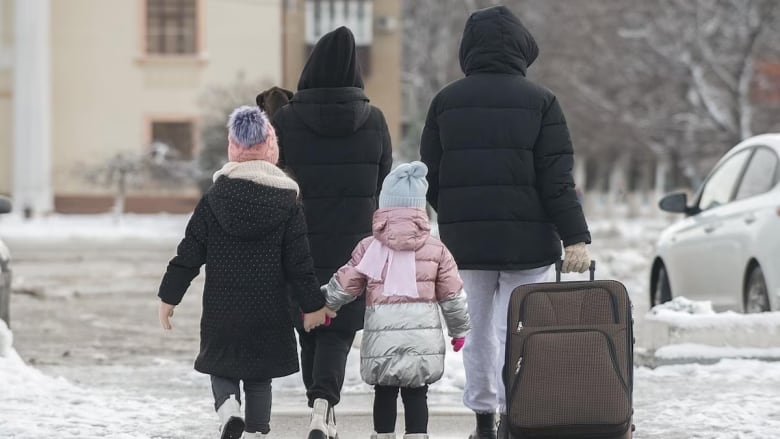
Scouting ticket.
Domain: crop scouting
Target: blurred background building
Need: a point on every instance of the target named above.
(121, 104)
(88, 86)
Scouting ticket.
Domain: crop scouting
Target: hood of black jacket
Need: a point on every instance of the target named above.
(496, 41)
(247, 209)
(332, 112)
(332, 63)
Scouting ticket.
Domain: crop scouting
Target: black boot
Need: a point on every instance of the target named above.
(486, 426)
(503, 427)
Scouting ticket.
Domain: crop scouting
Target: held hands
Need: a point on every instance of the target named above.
(320, 317)
(576, 258)
(457, 343)
(165, 313)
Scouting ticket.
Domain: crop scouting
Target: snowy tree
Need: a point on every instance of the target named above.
(665, 82)
(715, 43)
(158, 166)
(217, 102)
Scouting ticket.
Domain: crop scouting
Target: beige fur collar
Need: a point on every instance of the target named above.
(260, 172)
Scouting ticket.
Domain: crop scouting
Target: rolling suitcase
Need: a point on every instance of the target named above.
(569, 360)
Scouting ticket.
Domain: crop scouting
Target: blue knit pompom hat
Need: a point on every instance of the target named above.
(405, 186)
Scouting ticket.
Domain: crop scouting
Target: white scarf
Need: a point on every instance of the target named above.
(260, 172)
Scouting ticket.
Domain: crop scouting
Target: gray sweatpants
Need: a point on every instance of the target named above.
(258, 401)
(488, 295)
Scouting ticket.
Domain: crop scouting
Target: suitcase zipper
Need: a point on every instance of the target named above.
(613, 305)
(610, 345)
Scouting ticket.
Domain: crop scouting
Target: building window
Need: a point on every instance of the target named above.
(766, 87)
(172, 27)
(323, 16)
(177, 138)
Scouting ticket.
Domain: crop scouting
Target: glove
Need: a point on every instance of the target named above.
(457, 343)
(576, 258)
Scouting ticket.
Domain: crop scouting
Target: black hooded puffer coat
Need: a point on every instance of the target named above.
(499, 155)
(252, 239)
(337, 147)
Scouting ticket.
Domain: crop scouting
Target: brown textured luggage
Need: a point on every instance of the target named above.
(569, 360)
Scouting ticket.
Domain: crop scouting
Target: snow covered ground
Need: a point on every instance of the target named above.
(103, 227)
(92, 362)
(731, 399)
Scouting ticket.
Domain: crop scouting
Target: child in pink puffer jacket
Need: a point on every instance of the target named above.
(407, 276)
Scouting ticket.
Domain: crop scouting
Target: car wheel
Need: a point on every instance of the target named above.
(756, 294)
(662, 292)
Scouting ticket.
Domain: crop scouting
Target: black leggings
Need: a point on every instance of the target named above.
(258, 401)
(415, 408)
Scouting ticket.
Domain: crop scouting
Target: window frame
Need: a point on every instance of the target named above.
(750, 150)
(151, 119)
(200, 32)
(775, 177)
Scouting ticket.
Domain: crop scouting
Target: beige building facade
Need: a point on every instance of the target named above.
(376, 25)
(104, 77)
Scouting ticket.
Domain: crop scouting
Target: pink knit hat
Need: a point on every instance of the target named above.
(251, 136)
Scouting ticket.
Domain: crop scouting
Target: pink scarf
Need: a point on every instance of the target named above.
(401, 279)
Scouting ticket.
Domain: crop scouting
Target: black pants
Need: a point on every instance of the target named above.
(258, 401)
(323, 359)
(415, 408)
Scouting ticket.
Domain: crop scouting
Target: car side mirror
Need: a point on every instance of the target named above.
(5, 205)
(675, 203)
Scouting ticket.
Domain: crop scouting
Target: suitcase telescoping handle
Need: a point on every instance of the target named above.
(559, 267)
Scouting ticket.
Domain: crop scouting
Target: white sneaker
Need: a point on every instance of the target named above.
(332, 432)
(383, 436)
(256, 435)
(230, 419)
(318, 426)
(416, 436)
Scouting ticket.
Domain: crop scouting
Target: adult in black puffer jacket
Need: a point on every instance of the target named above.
(337, 147)
(500, 172)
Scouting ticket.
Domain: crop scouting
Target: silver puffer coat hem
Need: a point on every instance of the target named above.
(403, 344)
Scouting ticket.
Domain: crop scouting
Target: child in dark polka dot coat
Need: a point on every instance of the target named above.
(250, 232)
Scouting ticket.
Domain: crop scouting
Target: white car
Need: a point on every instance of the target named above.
(727, 249)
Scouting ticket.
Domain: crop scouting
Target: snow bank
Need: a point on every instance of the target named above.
(684, 313)
(97, 227)
(686, 330)
(688, 352)
(33, 404)
(682, 306)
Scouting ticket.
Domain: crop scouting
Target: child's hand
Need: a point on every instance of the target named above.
(320, 317)
(165, 314)
(457, 343)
